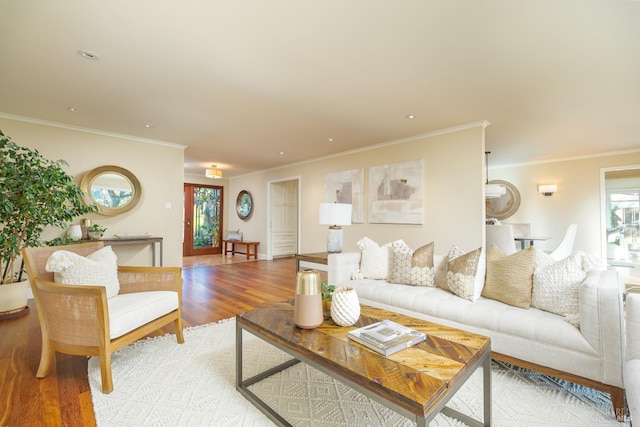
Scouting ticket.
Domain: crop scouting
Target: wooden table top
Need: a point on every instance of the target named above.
(416, 378)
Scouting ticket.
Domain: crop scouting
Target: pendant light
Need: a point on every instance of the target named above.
(213, 172)
(492, 191)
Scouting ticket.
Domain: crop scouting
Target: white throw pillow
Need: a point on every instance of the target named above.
(556, 286)
(99, 268)
(374, 261)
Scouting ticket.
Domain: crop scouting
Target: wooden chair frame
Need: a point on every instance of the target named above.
(74, 319)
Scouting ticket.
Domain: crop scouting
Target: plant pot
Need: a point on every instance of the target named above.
(95, 235)
(326, 308)
(13, 296)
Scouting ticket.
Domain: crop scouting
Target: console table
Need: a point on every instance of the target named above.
(319, 258)
(248, 247)
(151, 241)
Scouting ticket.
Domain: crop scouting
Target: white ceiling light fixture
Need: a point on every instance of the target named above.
(492, 191)
(213, 172)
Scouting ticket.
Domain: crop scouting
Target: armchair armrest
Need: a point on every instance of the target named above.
(341, 265)
(73, 313)
(142, 279)
(602, 321)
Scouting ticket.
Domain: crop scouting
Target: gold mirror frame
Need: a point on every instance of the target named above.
(90, 178)
(504, 206)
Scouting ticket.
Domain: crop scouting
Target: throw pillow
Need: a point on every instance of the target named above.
(422, 266)
(234, 235)
(374, 260)
(509, 278)
(556, 287)
(400, 263)
(461, 273)
(99, 268)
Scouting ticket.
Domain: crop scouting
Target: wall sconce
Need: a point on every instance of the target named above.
(547, 190)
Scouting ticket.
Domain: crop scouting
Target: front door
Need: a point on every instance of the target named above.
(202, 219)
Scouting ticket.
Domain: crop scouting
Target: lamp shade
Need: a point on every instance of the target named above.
(213, 172)
(335, 214)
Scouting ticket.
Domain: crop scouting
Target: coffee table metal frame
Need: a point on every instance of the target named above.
(421, 421)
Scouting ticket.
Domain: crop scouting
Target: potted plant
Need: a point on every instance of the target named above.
(327, 294)
(96, 231)
(35, 193)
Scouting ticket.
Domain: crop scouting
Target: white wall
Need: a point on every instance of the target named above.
(159, 168)
(452, 184)
(577, 200)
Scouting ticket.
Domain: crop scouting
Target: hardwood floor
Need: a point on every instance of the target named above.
(210, 293)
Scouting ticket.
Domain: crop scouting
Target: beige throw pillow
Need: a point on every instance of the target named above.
(556, 286)
(400, 264)
(462, 271)
(422, 268)
(509, 278)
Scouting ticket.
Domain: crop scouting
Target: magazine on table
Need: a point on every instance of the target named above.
(387, 337)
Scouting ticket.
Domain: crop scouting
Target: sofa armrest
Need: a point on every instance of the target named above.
(602, 321)
(341, 265)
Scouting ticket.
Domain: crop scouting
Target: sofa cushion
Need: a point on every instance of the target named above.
(461, 273)
(374, 261)
(509, 278)
(411, 268)
(99, 268)
(130, 311)
(556, 286)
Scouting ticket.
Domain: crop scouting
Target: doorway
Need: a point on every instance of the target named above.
(284, 201)
(202, 219)
(621, 219)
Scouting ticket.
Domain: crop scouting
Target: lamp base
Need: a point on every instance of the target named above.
(334, 239)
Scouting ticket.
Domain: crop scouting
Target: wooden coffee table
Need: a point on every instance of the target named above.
(416, 382)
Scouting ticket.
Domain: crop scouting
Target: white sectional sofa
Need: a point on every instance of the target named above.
(632, 366)
(591, 354)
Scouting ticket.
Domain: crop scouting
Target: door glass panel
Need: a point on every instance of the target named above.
(622, 215)
(206, 217)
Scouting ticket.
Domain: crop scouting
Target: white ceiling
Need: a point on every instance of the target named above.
(239, 81)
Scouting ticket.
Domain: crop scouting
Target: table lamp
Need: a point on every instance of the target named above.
(335, 215)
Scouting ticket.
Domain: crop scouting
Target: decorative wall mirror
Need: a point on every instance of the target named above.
(244, 205)
(114, 190)
(506, 205)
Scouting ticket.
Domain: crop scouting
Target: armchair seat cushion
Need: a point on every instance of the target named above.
(130, 311)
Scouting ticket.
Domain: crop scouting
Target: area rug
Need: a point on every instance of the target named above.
(158, 382)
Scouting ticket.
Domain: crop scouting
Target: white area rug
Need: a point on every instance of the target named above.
(161, 383)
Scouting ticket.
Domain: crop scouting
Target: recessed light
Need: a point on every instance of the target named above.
(73, 109)
(89, 55)
(282, 153)
(409, 116)
(330, 139)
(149, 125)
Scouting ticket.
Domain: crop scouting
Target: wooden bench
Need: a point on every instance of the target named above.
(248, 245)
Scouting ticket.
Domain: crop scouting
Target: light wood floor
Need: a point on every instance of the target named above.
(215, 288)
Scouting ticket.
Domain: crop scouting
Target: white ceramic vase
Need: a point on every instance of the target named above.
(74, 232)
(345, 306)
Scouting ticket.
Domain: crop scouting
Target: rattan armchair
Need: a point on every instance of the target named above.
(75, 319)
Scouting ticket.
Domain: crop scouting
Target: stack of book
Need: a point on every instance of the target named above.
(386, 337)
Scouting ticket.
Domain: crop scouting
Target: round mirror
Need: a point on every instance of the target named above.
(244, 204)
(114, 190)
(506, 205)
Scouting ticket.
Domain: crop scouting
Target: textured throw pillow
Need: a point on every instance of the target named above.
(400, 263)
(509, 278)
(422, 266)
(374, 260)
(235, 236)
(461, 273)
(99, 268)
(556, 287)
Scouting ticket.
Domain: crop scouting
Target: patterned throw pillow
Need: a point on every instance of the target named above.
(556, 286)
(411, 268)
(374, 260)
(99, 268)
(462, 271)
(422, 266)
(509, 278)
(400, 265)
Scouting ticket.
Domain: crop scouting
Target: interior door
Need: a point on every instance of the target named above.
(284, 218)
(202, 231)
